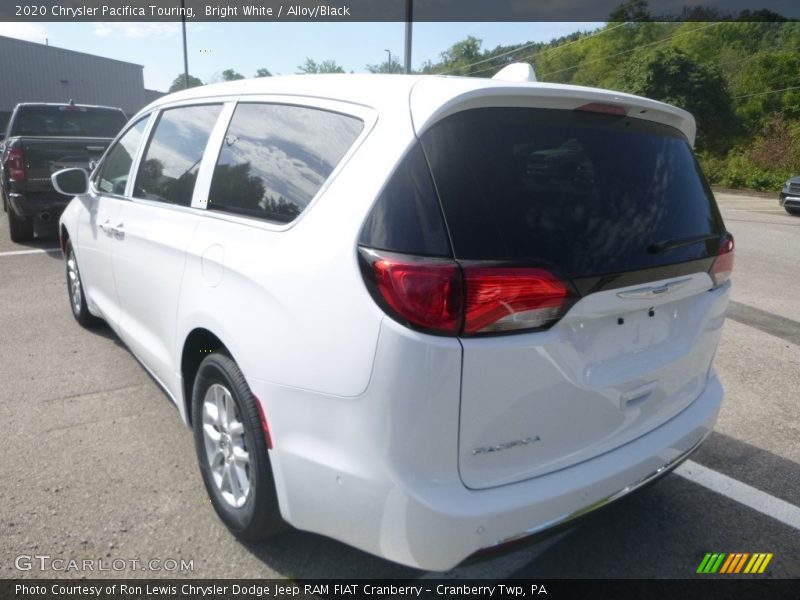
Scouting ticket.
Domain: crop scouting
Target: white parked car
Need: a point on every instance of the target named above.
(421, 315)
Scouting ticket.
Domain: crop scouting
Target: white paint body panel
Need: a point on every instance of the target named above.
(365, 414)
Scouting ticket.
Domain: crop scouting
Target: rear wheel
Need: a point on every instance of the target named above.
(232, 450)
(20, 228)
(792, 211)
(77, 298)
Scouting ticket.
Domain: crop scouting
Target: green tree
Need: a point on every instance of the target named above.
(178, 83)
(231, 75)
(460, 56)
(671, 76)
(632, 10)
(262, 72)
(326, 66)
(392, 65)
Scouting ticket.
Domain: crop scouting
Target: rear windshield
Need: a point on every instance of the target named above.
(67, 121)
(585, 193)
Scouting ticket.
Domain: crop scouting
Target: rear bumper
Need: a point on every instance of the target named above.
(379, 471)
(38, 203)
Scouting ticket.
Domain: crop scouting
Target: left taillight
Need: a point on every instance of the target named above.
(722, 267)
(15, 162)
(443, 297)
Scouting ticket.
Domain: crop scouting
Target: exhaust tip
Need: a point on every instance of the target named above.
(44, 216)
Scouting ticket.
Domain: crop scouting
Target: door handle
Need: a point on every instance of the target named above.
(117, 231)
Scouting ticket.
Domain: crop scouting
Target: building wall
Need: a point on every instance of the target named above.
(31, 72)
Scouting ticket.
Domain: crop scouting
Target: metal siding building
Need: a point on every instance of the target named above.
(31, 72)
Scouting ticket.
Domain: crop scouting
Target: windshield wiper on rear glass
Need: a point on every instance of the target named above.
(668, 245)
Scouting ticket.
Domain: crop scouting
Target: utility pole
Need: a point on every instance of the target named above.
(388, 60)
(185, 54)
(409, 20)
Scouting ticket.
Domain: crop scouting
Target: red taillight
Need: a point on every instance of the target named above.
(723, 265)
(441, 296)
(426, 294)
(505, 299)
(15, 161)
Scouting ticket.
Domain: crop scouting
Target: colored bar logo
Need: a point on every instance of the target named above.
(734, 563)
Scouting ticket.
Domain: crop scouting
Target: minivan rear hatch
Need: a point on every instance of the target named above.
(613, 206)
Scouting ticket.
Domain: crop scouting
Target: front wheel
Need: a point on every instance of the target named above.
(792, 211)
(232, 450)
(77, 297)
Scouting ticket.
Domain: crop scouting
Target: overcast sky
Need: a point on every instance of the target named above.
(280, 47)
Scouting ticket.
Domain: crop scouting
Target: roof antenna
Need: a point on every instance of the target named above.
(518, 71)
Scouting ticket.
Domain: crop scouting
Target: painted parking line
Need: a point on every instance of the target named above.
(773, 507)
(34, 251)
(770, 323)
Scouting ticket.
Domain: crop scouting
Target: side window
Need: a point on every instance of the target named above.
(112, 176)
(169, 167)
(275, 158)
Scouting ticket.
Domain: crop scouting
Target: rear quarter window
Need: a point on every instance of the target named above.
(585, 193)
(275, 158)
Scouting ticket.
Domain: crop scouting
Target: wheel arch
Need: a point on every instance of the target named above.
(63, 236)
(199, 343)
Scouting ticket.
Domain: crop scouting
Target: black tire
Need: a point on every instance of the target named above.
(75, 293)
(792, 211)
(259, 515)
(20, 228)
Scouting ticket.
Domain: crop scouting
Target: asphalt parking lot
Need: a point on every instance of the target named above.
(96, 464)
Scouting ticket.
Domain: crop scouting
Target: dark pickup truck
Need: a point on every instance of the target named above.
(41, 139)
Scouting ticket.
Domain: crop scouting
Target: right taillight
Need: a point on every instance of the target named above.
(15, 161)
(511, 298)
(722, 267)
(441, 296)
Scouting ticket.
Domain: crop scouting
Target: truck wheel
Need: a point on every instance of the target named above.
(232, 450)
(792, 211)
(20, 228)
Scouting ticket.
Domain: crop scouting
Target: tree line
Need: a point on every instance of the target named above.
(737, 74)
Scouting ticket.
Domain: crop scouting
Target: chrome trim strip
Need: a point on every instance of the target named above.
(656, 290)
(565, 518)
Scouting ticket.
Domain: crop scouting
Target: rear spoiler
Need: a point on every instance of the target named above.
(433, 98)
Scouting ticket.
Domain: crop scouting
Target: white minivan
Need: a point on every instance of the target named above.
(421, 315)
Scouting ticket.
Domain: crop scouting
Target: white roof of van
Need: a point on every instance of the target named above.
(431, 97)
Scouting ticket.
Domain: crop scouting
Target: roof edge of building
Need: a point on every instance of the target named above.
(59, 49)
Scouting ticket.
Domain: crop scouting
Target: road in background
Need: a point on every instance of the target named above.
(97, 464)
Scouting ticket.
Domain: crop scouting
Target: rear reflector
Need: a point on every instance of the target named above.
(264, 425)
(604, 109)
(16, 164)
(722, 267)
(443, 297)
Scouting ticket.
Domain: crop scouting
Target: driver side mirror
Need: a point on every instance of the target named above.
(71, 182)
